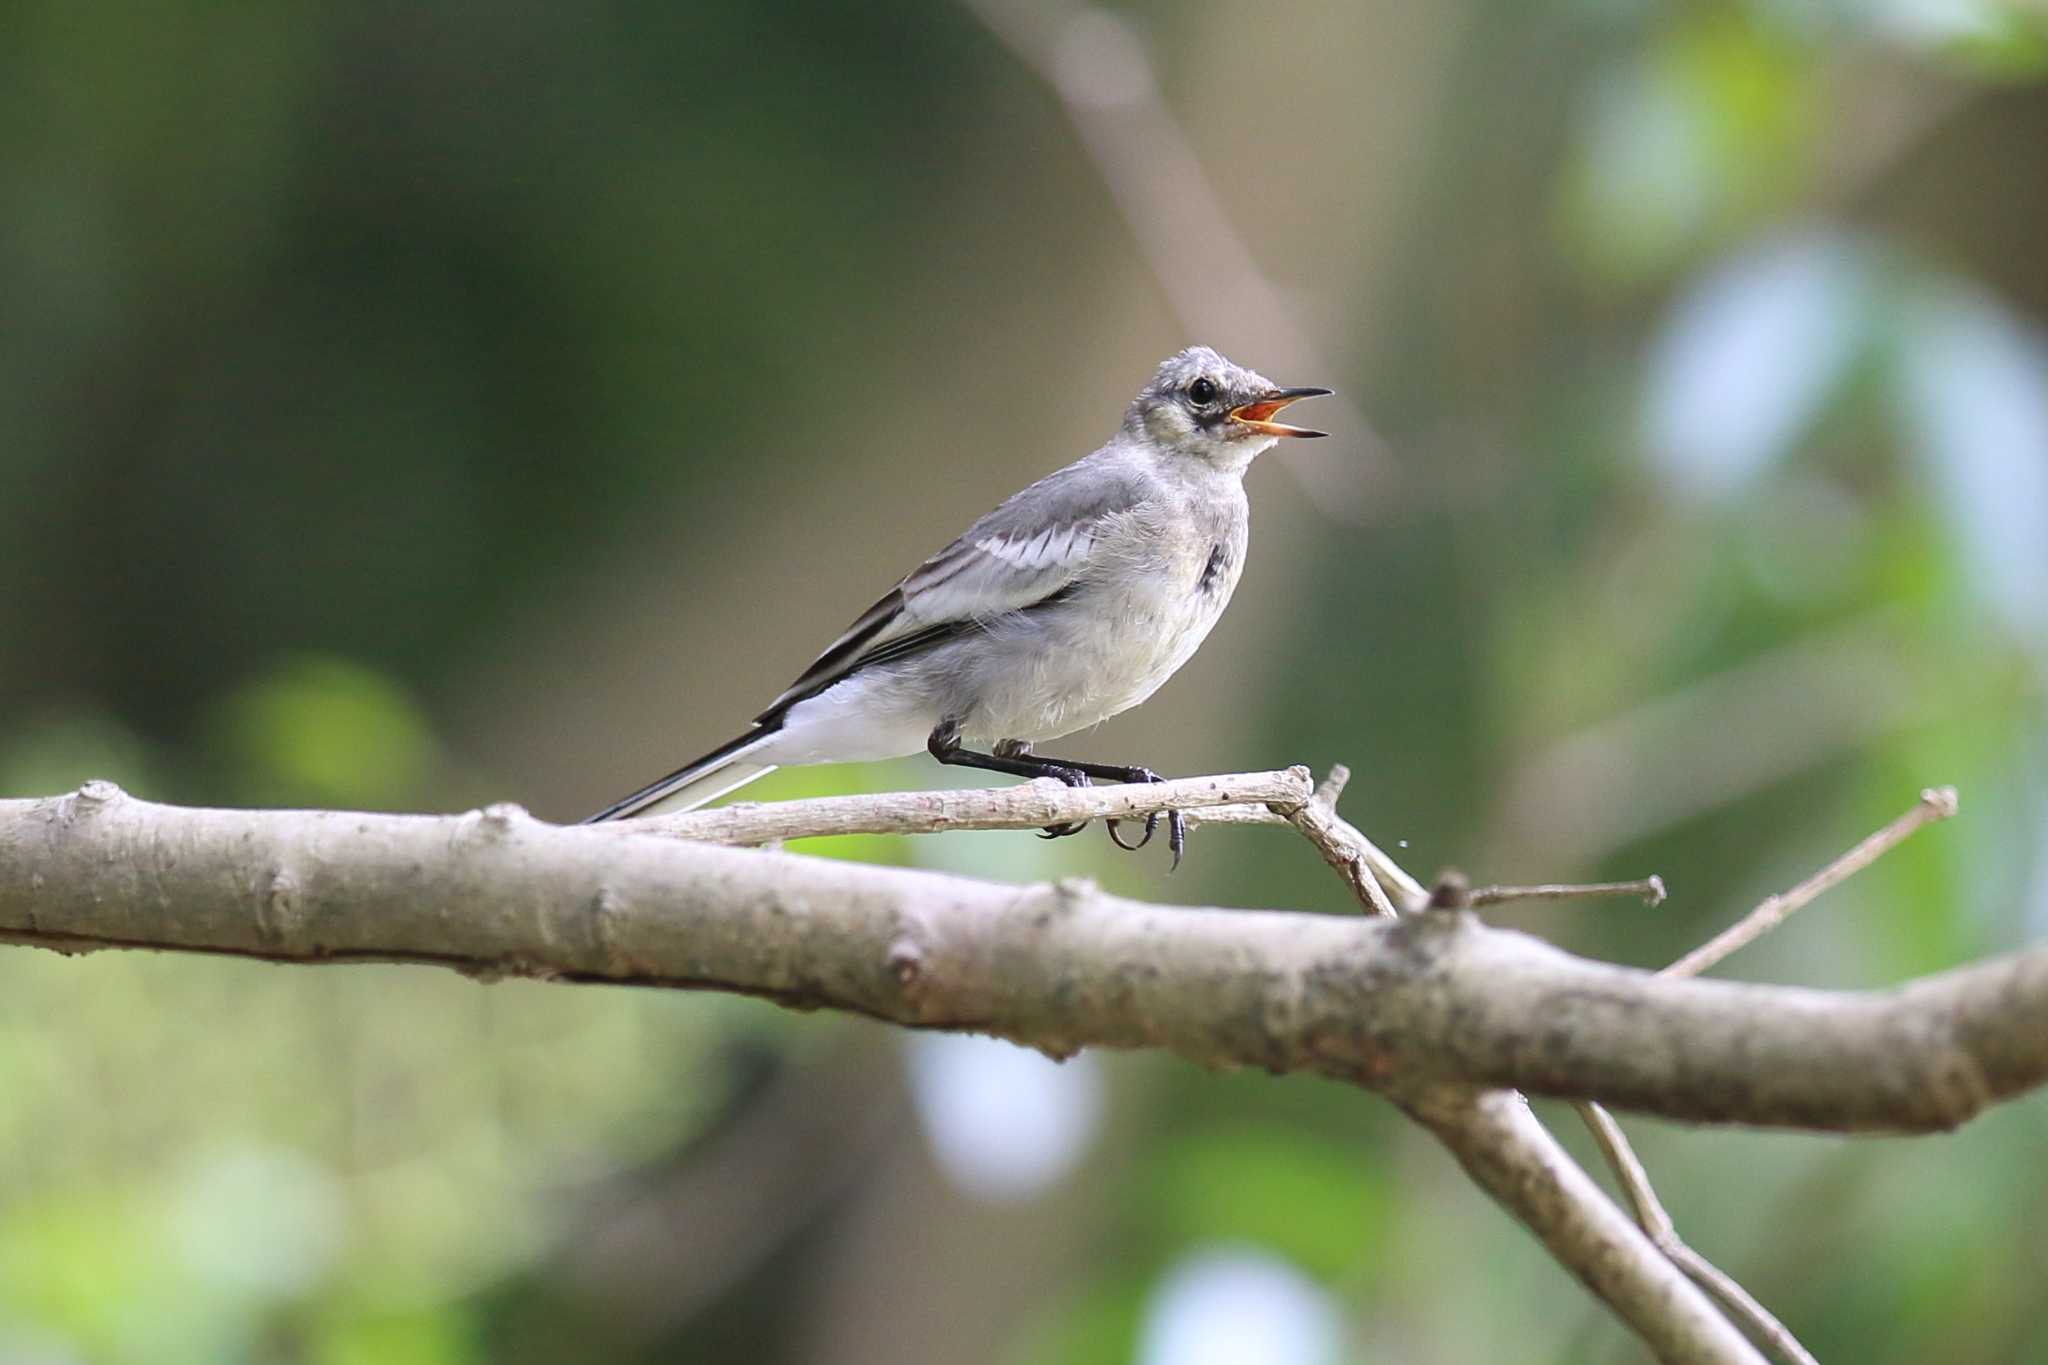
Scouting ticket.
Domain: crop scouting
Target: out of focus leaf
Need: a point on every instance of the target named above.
(1311, 1201)
(1747, 359)
(1974, 385)
(1693, 138)
(1095, 1327)
(326, 731)
(1004, 1122)
(86, 1265)
(266, 1222)
(2000, 40)
(1235, 1305)
(429, 1336)
(1994, 38)
(1642, 184)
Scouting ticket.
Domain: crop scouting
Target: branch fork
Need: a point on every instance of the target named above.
(1444, 1015)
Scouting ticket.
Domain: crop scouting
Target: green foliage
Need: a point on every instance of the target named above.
(1307, 1198)
(322, 732)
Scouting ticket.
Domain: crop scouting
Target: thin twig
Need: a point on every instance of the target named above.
(1649, 890)
(1280, 797)
(1936, 803)
(1514, 1158)
(1759, 1322)
(1029, 805)
(1375, 894)
(1453, 892)
(1332, 838)
(1321, 827)
(1382, 886)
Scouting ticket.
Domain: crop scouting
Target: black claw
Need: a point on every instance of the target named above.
(1151, 824)
(1073, 778)
(1176, 823)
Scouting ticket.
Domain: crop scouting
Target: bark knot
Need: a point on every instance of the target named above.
(93, 797)
(906, 963)
(278, 913)
(498, 819)
(1071, 893)
(605, 908)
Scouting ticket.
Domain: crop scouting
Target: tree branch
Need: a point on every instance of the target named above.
(1436, 996)
(1649, 890)
(1282, 797)
(1656, 1224)
(1514, 1158)
(1028, 805)
(1935, 803)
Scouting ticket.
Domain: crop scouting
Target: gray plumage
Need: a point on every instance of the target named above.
(1071, 602)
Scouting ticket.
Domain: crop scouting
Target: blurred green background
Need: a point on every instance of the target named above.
(416, 406)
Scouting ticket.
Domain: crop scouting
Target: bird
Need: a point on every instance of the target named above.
(1071, 602)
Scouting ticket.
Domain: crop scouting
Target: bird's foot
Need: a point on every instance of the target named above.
(1015, 756)
(1073, 777)
(1176, 823)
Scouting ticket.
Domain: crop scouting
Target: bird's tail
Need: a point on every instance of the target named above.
(722, 770)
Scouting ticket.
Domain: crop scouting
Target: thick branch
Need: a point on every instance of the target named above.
(1431, 996)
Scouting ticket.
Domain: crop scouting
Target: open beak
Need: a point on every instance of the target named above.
(1258, 416)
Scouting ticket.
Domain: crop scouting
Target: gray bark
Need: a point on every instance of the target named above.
(1388, 1004)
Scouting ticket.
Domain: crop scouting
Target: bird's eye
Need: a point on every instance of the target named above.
(1202, 392)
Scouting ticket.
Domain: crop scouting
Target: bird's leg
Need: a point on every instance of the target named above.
(1015, 756)
(1176, 823)
(1067, 773)
(1011, 756)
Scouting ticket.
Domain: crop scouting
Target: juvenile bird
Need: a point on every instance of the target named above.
(1071, 602)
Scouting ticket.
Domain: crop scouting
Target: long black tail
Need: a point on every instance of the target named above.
(690, 786)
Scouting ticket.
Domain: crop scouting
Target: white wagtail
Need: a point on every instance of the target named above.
(1071, 602)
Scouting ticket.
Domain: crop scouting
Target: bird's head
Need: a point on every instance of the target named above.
(1201, 405)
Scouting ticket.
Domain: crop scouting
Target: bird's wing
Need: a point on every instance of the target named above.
(1031, 548)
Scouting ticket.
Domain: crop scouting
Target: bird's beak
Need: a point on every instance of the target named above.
(1258, 415)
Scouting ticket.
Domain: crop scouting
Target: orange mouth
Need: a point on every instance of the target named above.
(1258, 416)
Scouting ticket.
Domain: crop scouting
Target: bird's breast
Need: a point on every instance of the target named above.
(1155, 590)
